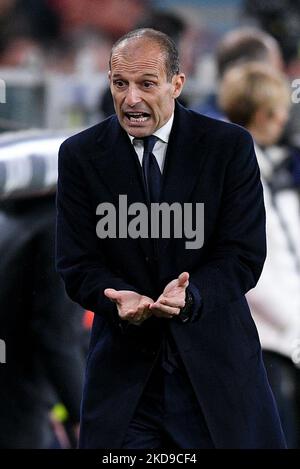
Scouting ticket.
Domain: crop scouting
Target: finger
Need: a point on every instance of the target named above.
(138, 319)
(136, 314)
(183, 278)
(145, 306)
(112, 294)
(142, 309)
(165, 309)
(174, 303)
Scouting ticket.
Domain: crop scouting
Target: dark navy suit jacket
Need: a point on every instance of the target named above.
(207, 161)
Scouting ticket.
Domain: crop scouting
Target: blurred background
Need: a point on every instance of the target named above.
(54, 53)
(53, 81)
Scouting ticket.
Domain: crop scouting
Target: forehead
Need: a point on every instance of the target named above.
(136, 56)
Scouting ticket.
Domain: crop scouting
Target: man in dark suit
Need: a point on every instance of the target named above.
(174, 359)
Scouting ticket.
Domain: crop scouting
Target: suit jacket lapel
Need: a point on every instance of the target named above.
(184, 160)
(118, 165)
(119, 169)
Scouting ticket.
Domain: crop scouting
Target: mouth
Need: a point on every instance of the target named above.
(137, 117)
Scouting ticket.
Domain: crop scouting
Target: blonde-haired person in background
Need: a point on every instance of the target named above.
(258, 98)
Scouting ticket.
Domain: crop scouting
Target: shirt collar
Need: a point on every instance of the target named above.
(163, 133)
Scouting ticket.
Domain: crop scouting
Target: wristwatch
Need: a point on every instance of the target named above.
(185, 312)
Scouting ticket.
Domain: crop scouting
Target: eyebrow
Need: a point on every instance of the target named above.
(153, 75)
(150, 75)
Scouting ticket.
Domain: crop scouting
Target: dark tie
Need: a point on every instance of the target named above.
(151, 171)
(152, 181)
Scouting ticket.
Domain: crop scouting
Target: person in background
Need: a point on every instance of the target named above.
(41, 328)
(282, 21)
(257, 97)
(241, 45)
(248, 45)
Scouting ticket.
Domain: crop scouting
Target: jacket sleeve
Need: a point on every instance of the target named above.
(78, 258)
(238, 250)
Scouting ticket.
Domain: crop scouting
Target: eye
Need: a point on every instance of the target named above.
(148, 84)
(119, 84)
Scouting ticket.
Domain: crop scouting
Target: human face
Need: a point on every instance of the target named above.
(275, 124)
(267, 125)
(143, 96)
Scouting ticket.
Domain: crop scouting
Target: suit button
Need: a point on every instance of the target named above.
(147, 259)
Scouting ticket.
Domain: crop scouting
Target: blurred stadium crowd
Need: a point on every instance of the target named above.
(240, 58)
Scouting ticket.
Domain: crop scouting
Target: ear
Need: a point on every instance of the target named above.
(109, 76)
(178, 83)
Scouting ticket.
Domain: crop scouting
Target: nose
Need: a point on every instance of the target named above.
(132, 96)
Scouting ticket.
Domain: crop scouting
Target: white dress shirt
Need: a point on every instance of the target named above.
(160, 147)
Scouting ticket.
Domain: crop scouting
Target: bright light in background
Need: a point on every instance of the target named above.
(2, 351)
(2, 91)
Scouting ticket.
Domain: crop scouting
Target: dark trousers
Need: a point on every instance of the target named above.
(168, 414)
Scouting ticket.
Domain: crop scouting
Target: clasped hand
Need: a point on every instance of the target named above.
(136, 308)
